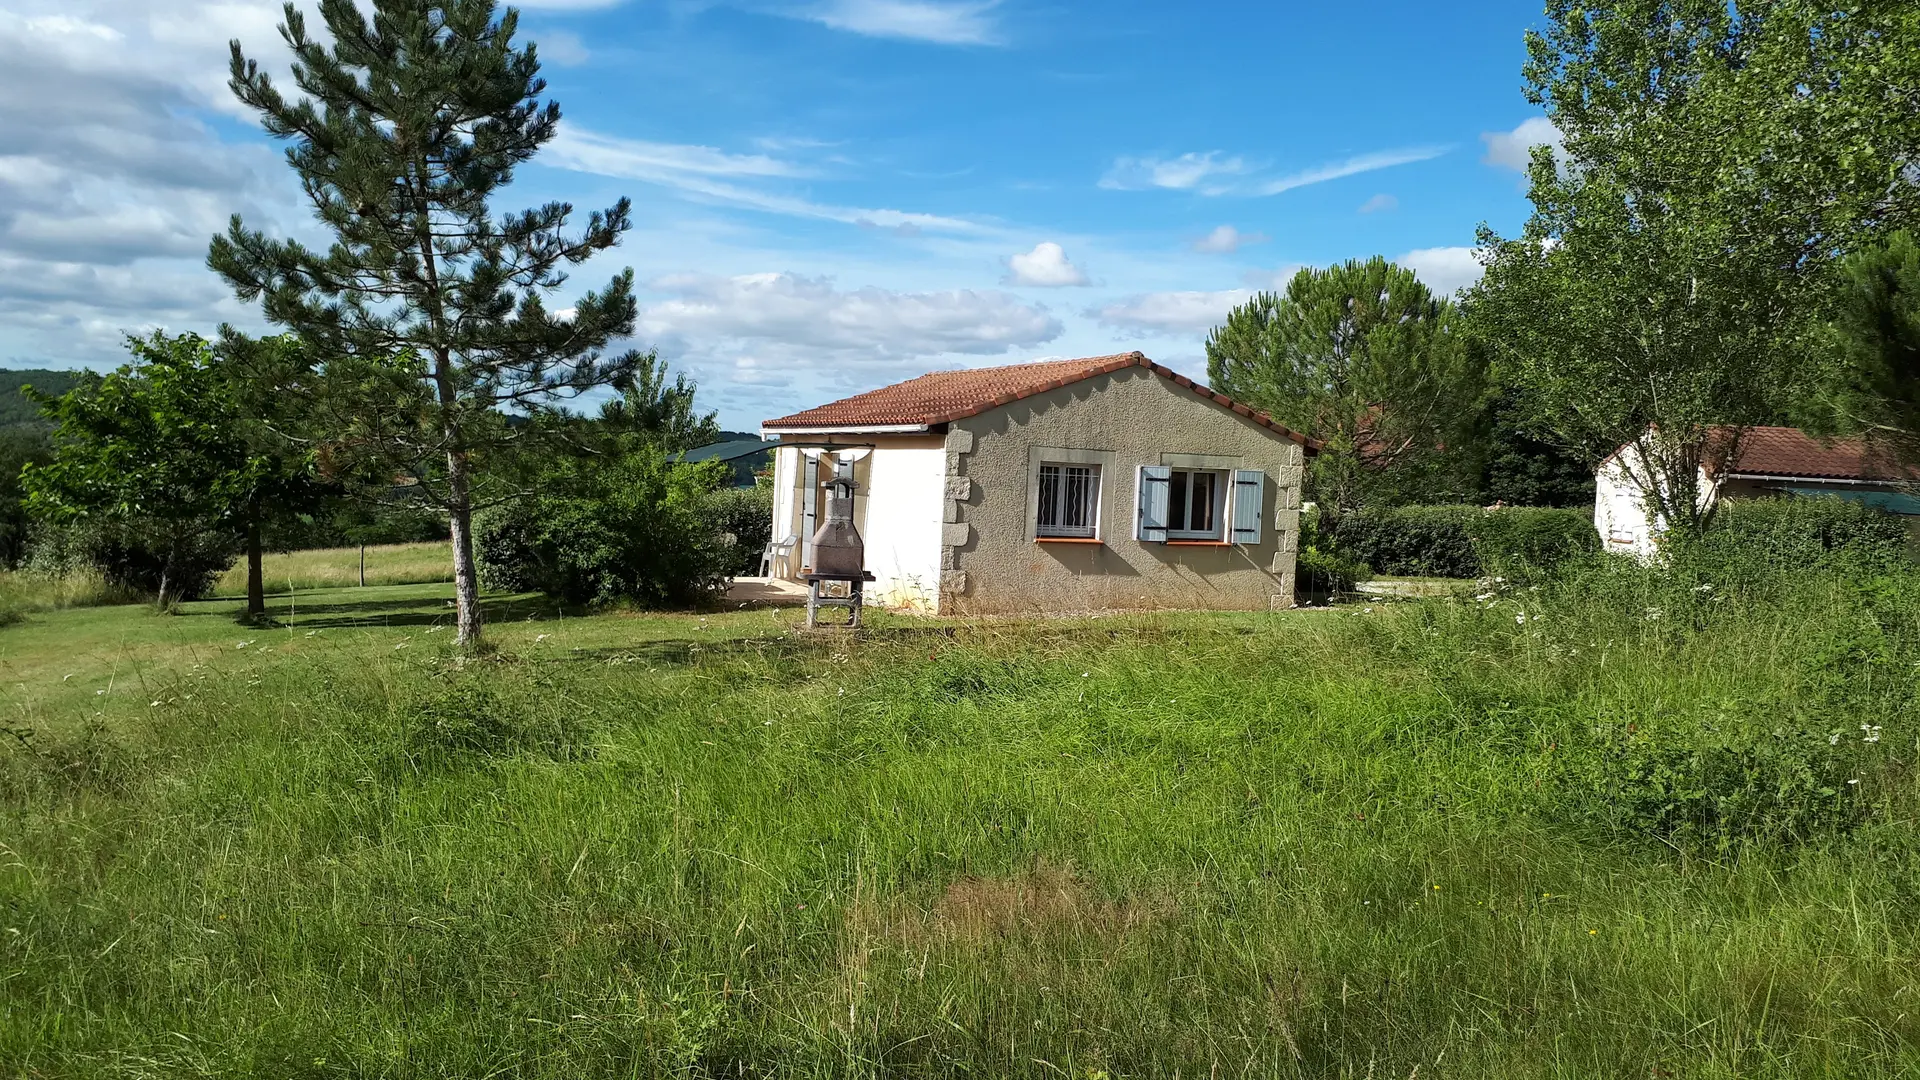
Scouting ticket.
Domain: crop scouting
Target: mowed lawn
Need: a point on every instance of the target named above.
(1303, 844)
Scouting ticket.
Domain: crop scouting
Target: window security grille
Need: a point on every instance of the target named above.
(1069, 501)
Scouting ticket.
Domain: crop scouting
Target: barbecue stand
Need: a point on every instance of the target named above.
(839, 554)
(819, 596)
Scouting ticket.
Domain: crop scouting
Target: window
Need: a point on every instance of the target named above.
(1196, 499)
(1069, 501)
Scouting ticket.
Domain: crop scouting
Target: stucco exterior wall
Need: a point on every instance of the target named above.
(991, 562)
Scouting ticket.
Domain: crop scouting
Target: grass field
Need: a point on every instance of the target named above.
(337, 568)
(1395, 841)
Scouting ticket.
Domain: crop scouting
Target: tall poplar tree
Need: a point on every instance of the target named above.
(1717, 157)
(427, 310)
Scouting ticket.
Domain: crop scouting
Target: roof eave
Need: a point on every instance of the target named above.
(848, 429)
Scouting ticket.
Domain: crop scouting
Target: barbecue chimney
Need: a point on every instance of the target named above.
(838, 550)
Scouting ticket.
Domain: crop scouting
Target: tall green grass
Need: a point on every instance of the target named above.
(1376, 842)
(337, 568)
(23, 592)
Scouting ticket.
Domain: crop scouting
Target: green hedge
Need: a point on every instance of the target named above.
(1768, 535)
(1462, 541)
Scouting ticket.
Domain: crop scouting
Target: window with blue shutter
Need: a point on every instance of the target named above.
(1152, 501)
(1249, 504)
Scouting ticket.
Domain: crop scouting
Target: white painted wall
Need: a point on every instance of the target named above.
(1620, 511)
(905, 503)
(786, 489)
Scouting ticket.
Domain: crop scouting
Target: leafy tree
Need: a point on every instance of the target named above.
(427, 308)
(1365, 357)
(19, 447)
(167, 455)
(1523, 470)
(1876, 338)
(1716, 156)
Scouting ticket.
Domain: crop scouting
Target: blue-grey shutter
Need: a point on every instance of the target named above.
(809, 495)
(1249, 503)
(1156, 482)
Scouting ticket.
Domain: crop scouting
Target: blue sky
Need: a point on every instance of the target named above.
(829, 195)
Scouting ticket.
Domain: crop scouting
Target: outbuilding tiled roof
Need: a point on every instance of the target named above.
(1790, 452)
(946, 396)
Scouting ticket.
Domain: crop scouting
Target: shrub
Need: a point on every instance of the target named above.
(1759, 537)
(638, 529)
(1518, 541)
(1409, 541)
(1326, 573)
(129, 564)
(746, 514)
(1463, 541)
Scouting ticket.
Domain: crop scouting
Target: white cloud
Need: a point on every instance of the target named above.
(1046, 266)
(574, 147)
(1225, 240)
(1184, 173)
(1445, 270)
(766, 344)
(1379, 204)
(1514, 149)
(110, 184)
(810, 313)
(562, 47)
(703, 173)
(1173, 313)
(1213, 174)
(913, 20)
(1353, 166)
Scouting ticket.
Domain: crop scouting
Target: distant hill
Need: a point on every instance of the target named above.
(15, 408)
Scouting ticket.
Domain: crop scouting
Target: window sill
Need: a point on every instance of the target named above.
(1068, 540)
(1199, 543)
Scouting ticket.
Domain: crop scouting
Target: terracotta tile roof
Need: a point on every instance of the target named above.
(945, 396)
(1785, 451)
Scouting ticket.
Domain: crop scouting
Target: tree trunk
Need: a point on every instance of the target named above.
(166, 580)
(256, 583)
(466, 576)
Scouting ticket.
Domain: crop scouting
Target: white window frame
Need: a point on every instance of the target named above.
(1182, 480)
(1100, 461)
(1062, 496)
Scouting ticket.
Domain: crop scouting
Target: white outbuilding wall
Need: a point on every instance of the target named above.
(1620, 511)
(902, 490)
(906, 493)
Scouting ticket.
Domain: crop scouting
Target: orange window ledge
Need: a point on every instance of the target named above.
(1068, 540)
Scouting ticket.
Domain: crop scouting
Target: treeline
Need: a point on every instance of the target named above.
(1721, 238)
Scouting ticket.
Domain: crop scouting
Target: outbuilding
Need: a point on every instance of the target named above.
(1062, 486)
(1768, 462)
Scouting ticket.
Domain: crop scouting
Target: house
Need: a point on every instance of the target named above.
(1770, 461)
(1061, 486)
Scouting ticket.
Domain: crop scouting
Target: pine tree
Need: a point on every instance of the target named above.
(1364, 357)
(427, 309)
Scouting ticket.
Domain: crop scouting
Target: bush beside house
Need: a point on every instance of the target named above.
(1461, 541)
(639, 530)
